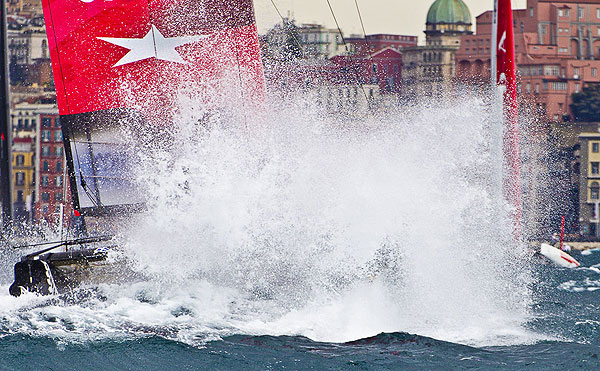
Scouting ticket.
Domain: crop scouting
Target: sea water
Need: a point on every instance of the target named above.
(299, 238)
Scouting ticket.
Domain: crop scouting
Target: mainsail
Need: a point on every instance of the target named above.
(504, 73)
(128, 60)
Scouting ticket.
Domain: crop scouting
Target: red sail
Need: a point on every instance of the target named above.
(142, 53)
(506, 75)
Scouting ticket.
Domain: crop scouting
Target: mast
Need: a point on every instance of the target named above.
(4, 123)
(493, 60)
(504, 75)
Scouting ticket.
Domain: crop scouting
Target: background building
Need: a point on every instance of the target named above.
(23, 176)
(557, 52)
(359, 45)
(38, 164)
(429, 69)
(354, 76)
(28, 53)
(52, 189)
(280, 43)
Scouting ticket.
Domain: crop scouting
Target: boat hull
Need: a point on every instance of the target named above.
(57, 273)
(558, 257)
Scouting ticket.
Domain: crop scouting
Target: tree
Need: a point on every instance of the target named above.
(292, 48)
(586, 103)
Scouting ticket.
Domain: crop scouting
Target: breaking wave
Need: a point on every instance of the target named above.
(296, 221)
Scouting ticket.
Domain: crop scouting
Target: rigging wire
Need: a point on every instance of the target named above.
(357, 76)
(358, 80)
(239, 71)
(288, 28)
(82, 180)
(362, 25)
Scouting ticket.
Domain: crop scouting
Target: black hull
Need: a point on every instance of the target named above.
(57, 273)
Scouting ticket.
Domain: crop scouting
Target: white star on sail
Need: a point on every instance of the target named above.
(153, 45)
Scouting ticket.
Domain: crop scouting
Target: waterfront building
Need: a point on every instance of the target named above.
(24, 119)
(338, 85)
(382, 68)
(557, 52)
(28, 53)
(359, 45)
(23, 178)
(319, 42)
(24, 8)
(38, 163)
(343, 83)
(429, 69)
(52, 186)
(23, 124)
(316, 41)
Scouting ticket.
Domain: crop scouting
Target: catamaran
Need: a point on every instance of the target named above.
(118, 68)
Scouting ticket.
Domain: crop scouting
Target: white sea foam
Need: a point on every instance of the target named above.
(303, 223)
(589, 251)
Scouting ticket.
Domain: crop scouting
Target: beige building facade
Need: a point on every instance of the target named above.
(429, 69)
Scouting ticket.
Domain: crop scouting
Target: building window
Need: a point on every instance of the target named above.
(58, 136)
(580, 12)
(45, 180)
(58, 151)
(46, 122)
(45, 151)
(531, 12)
(595, 191)
(594, 71)
(576, 88)
(595, 167)
(537, 88)
(20, 179)
(58, 197)
(559, 86)
(45, 166)
(58, 181)
(45, 196)
(57, 122)
(45, 135)
(58, 166)
(595, 147)
(20, 160)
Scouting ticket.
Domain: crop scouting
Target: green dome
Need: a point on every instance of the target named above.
(449, 11)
